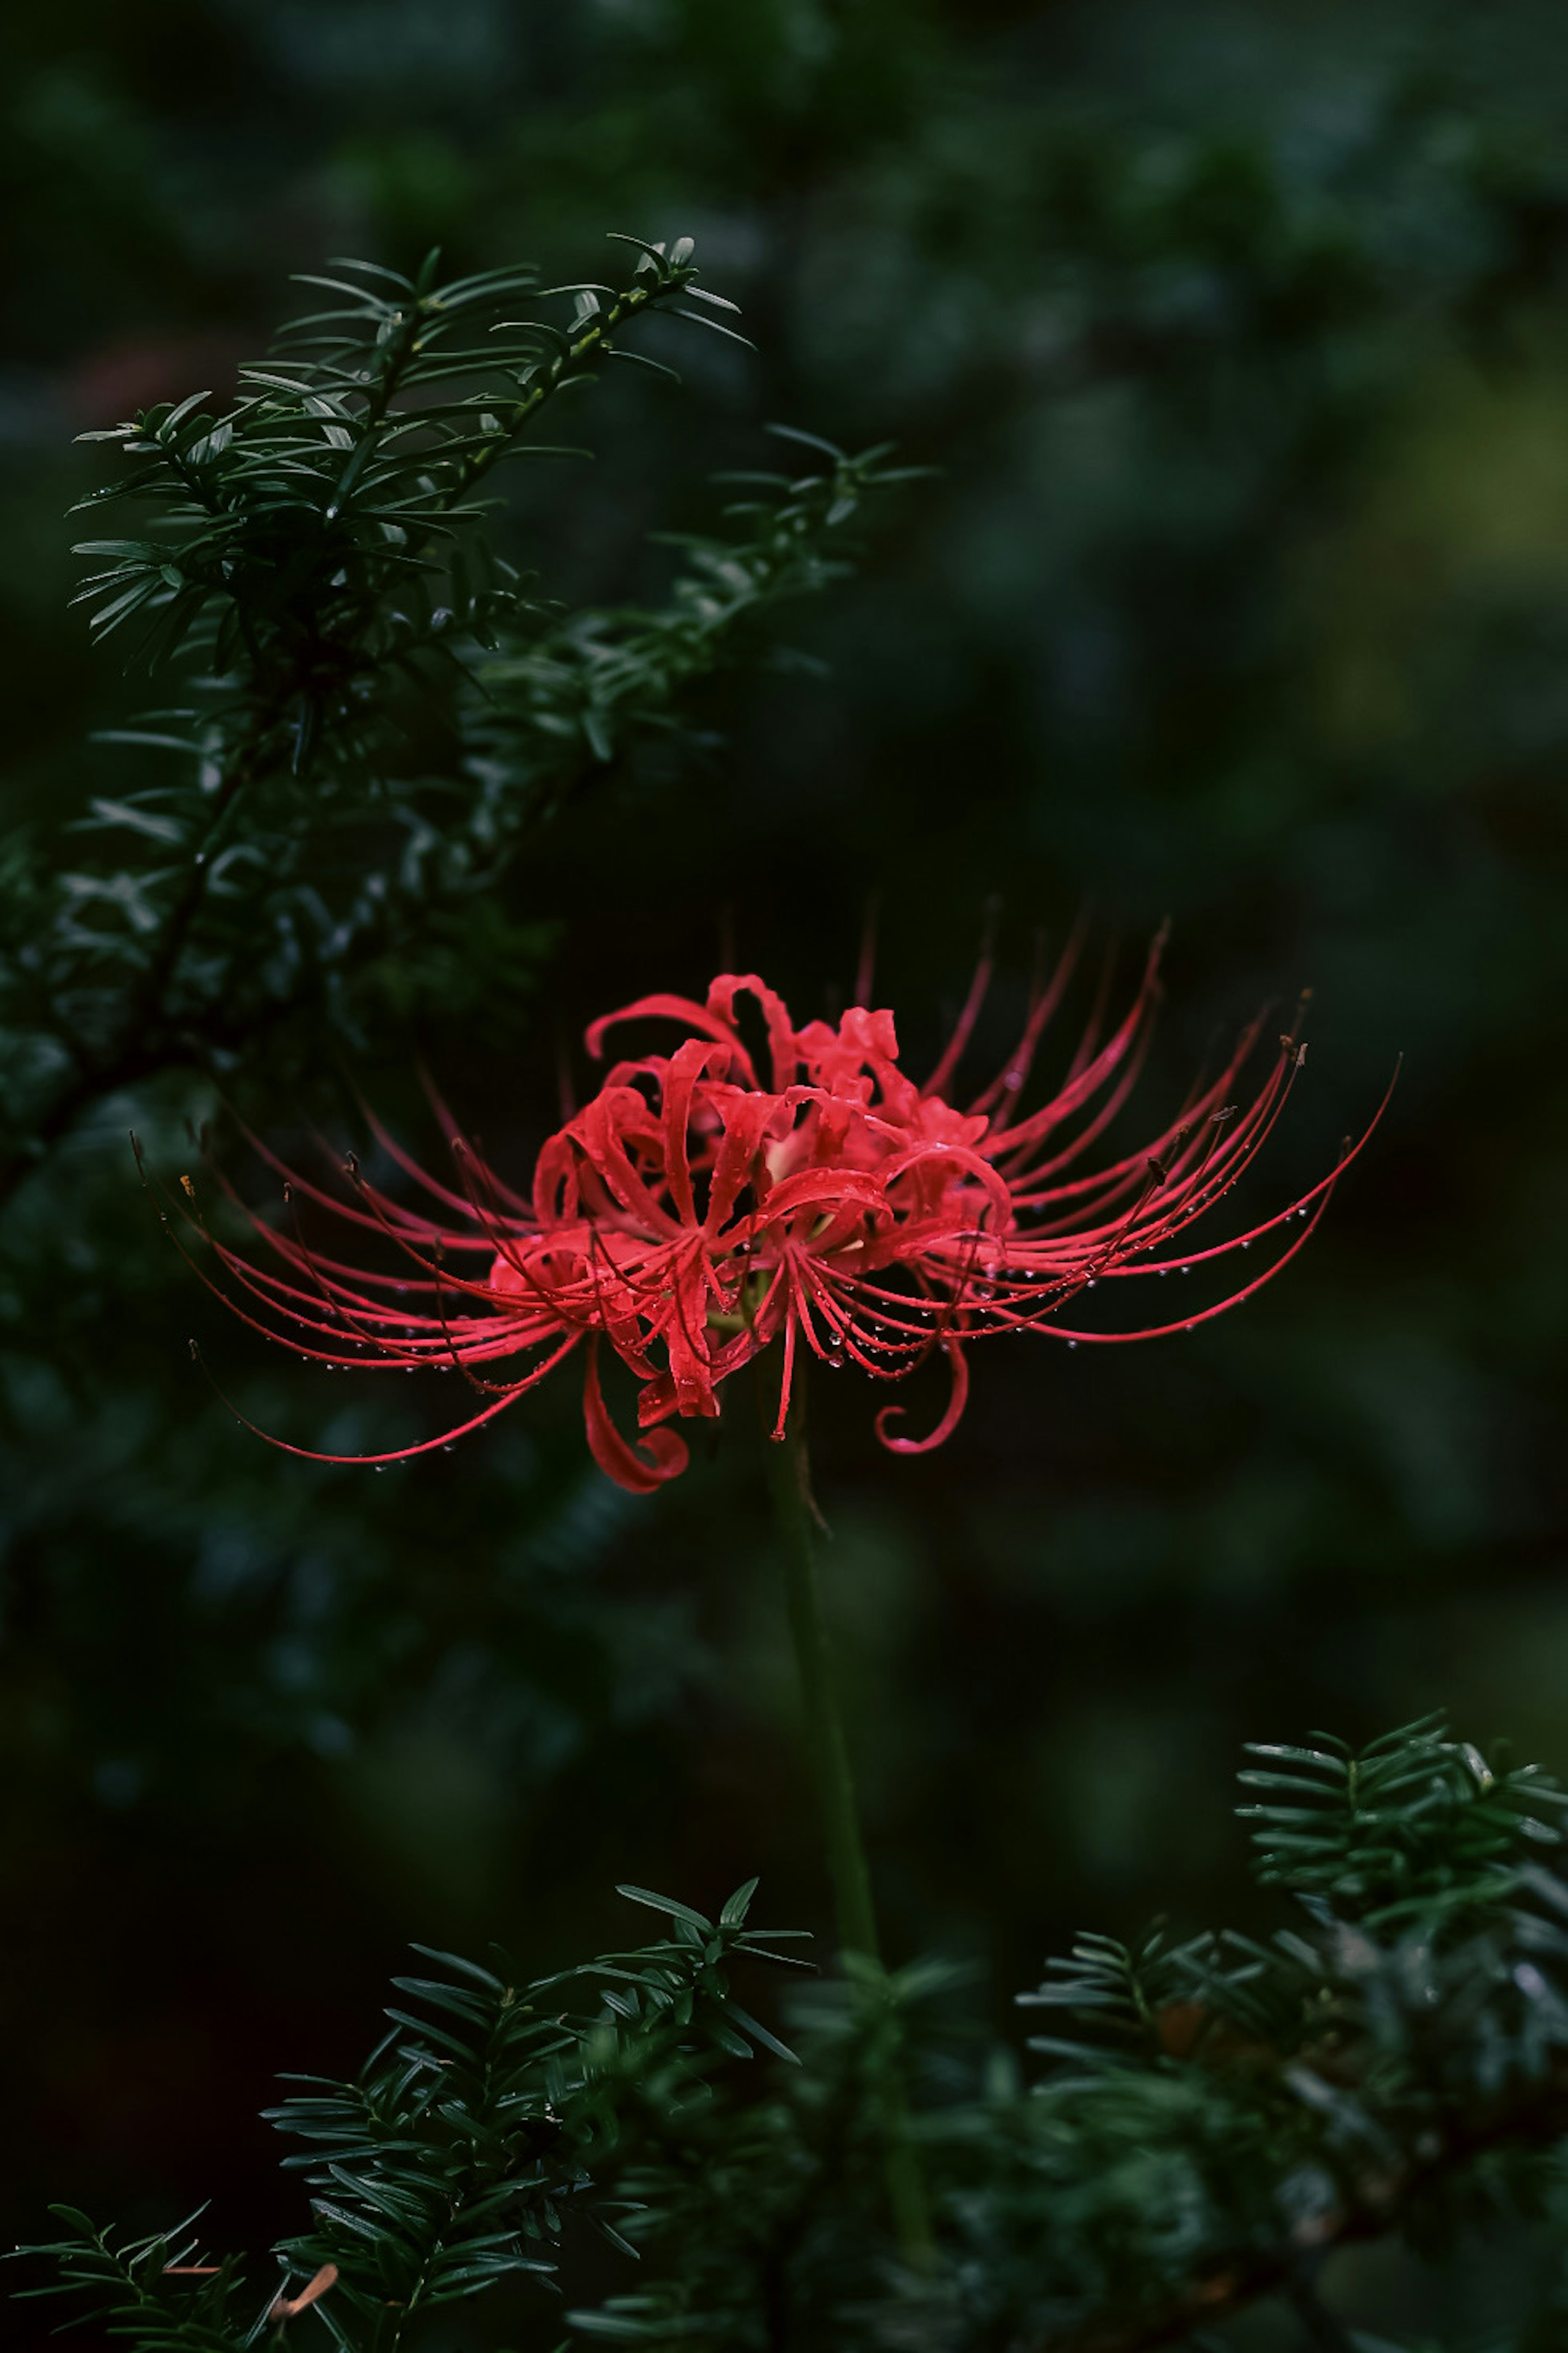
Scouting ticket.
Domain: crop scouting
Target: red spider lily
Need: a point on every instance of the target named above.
(694, 1213)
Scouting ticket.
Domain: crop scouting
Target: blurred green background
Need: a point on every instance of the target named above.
(1239, 335)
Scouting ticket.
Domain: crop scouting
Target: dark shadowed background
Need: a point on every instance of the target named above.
(1239, 336)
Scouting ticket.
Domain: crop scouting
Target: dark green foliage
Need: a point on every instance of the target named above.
(452, 2160)
(490, 2115)
(1403, 1830)
(381, 710)
(764, 2216)
(596, 674)
(159, 2291)
(1217, 2114)
(312, 534)
(1230, 2110)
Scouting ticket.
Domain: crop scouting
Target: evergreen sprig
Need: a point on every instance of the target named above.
(1216, 2113)
(1228, 2109)
(1413, 1826)
(313, 528)
(490, 2115)
(320, 568)
(159, 2291)
(580, 684)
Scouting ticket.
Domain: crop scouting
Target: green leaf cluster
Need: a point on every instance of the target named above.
(377, 709)
(492, 2114)
(1215, 2114)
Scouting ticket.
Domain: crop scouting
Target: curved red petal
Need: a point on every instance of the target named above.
(670, 1008)
(958, 1364)
(640, 1470)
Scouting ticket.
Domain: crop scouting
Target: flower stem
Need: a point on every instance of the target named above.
(823, 1723)
(795, 1512)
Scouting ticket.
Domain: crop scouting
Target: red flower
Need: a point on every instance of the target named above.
(696, 1212)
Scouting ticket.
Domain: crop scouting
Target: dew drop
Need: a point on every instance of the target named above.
(1072, 1344)
(1186, 1270)
(379, 1468)
(449, 1450)
(1192, 1327)
(1246, 1245)
(1092, 1281)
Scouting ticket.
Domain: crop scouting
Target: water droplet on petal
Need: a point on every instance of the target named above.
(1072, 1344)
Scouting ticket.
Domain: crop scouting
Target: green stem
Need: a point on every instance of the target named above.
(823, 1723)
(789, 1470)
